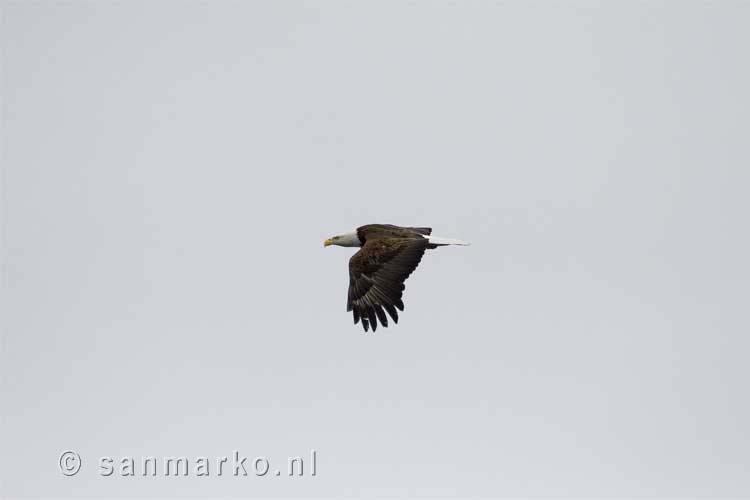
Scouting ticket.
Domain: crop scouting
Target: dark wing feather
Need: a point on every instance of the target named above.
(376, 278)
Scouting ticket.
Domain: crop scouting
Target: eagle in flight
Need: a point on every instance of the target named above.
(388, 255)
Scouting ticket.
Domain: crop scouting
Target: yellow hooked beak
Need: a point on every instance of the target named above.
(328, 242)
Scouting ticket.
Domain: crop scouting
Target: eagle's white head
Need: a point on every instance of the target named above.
(344, 240)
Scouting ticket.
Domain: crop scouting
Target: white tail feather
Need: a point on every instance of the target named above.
(436, 240)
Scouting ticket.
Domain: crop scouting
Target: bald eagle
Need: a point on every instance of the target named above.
(377, 272)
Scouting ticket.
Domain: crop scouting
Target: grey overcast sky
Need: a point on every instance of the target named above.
(171, 169)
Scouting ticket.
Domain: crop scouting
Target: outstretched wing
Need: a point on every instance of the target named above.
(376, 278)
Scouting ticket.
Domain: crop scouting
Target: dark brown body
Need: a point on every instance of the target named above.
(389, 254)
